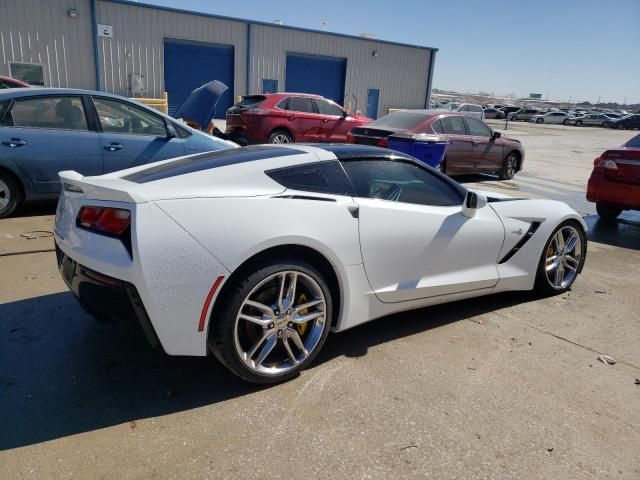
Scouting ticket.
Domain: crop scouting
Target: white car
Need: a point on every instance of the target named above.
(472, 110)
(551, 117)
(255, 254)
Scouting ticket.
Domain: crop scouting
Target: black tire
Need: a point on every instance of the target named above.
(509, 167)
(222, 333)
(607, 212)
(605, 125)
(565, 122)
(542, 284)
(280, 136)
(514, 119)
(539, 120)
(620, 126)
(579, 123)
(9, 195)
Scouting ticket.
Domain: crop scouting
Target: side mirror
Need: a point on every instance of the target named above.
(496, 135)
(171, 131)
(345, 114)
(472, 202)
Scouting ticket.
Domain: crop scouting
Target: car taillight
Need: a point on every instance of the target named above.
(255, 111)
(351, 138)
(112, 221)
(605, 163)
(383, 142)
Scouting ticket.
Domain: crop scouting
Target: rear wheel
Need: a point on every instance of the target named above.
(605, 125)
(509, 167)
(579, 123)
(565, 122)
(514, 119)
(9, 195)
(620, 126)
(562, 259)
(539, 120)
(280, 136)
(607, 212)
(274, 322)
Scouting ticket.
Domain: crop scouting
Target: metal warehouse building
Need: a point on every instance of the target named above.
(141, 50)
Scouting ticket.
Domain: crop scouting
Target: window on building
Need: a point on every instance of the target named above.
(31, 73)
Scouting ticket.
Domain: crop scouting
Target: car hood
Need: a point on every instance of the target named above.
(200, 105)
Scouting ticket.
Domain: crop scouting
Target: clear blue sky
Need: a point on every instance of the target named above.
(582, 49)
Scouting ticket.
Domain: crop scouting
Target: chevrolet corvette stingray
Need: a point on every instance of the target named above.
(255, 254)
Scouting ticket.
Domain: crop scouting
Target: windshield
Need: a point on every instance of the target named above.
(400, 120)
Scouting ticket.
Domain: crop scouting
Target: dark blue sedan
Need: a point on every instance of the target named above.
(44, 131)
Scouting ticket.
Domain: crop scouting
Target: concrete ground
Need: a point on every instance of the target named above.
(502, 387)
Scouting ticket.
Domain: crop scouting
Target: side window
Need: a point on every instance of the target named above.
(453, 126)
(322, 177)
(437, 126)
(398, 181)
(120, 117)
(5, 118)
(477, 128)
(300, 104)
(64, 113)
(283, 104)
(328, 108)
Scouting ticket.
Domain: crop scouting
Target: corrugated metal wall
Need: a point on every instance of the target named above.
(137, 44)
(399, 72)
(41, 31)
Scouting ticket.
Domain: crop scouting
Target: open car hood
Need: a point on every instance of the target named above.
(200, 105)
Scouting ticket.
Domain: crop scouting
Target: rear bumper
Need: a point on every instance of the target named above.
(623, 195)
(106, 298)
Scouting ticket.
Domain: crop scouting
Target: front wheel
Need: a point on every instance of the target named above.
(607, 212)
(9, 195)
(620, 126)
(579, 123)
(539, 120)
(605, 125)
(565, 122)
(510, 167)
(273, 322)
(562, 259)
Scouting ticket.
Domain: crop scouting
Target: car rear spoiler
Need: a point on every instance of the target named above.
(95, 188)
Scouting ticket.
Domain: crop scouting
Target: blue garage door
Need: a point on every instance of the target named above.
(188, 65)
(316, 74)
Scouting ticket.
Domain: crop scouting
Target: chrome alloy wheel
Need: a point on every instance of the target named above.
(5, 194)
(511, 166)
(280, 322)
(280, 138)
(564, 254)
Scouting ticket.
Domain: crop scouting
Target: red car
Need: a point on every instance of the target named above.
(8, 82)
(614, 184)
(474, 148)
(290, 117)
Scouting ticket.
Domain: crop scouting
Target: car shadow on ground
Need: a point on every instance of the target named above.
(62, 373)
(36, 209)
(623, 232)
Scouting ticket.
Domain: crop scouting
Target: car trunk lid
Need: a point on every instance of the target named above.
(627, 165)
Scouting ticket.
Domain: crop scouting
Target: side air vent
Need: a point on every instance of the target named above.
(532, 229)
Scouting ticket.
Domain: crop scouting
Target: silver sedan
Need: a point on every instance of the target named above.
(593, 119)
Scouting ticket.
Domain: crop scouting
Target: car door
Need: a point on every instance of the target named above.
(132, 136)
(459, 154)
(487, 151)
(46, 134)
(334, 122)
(415, 241)
(302, 120)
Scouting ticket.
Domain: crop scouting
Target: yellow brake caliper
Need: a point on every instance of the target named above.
(302, 327)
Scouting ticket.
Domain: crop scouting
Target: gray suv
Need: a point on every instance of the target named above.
(525, 114)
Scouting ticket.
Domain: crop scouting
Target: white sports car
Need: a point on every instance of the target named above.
(255, 254)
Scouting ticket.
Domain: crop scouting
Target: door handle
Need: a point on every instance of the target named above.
(475, 143)
(112, 147)
(291, 117)
(325, 120)
(14, 143)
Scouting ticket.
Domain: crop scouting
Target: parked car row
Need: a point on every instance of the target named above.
(109, 133)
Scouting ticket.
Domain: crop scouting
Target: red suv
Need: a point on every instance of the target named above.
(290, 117)
(614, 184)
